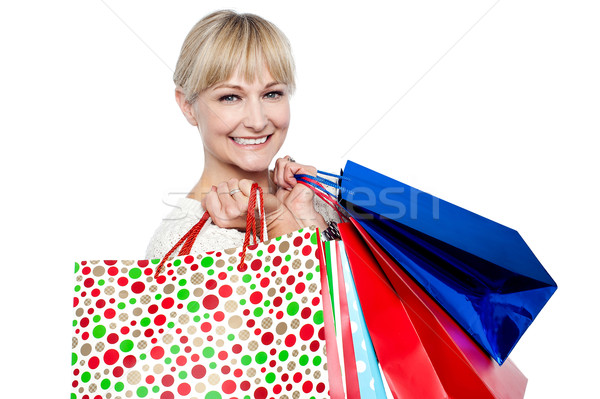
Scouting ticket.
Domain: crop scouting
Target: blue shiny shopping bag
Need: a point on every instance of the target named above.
(481, 272)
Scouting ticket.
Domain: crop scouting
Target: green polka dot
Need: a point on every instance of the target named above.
(168, 360)
(303, 360)
(317, 268)
(317, 360)
(259, 253)
(318, 317)
(142, 392)
(314, 239)
(143, 356)
(193, 307)
(74, 323)
(158, 296)
(77, 288)
(182, 375)
(300, 231)
(229, 268)
(258, 312)
(212, 365)
(261, 357)
(267, 303)
(177, 262)
(293, 308)
(73, 396)
(134, 273)
(270, 378)
(283, 355)
(99, 331)
(145, 322)
(155, 389)
(252, 287)
(208, 352)
(155, 261)
(210, 272)
(182, 282)
(76, 267)
(132, 301)
(288, 257)
(101, 282)
(206, 316)
(96, 318)
(213, 395)
(183, 294)
(171, 324)
(73, 358)
(267, 268)
(242, 301)
(196, 319)
(309, 276)
(119, 386)
(246, 360)
(207, 261)
(126, 345)
(246, 278)
(105, 384)
(121, 305)
(175, 349)
(85, 376)
(231, 337)
(289, 296)
(278, 238)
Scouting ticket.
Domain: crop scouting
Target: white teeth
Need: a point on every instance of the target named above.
(242, 141)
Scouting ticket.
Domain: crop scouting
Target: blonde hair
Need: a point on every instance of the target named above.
(224, 41)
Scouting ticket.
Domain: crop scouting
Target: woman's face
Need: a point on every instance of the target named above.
(241, 123)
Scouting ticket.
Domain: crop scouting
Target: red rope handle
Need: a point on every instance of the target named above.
(187, 240)
(328, 199)
(255, 192)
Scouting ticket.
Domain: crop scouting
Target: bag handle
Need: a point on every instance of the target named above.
(316, 184)
(256, 200)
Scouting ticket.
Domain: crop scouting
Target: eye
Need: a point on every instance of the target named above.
(274, 95)
(229, 98)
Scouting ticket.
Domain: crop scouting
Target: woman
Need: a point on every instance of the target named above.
(233, 80)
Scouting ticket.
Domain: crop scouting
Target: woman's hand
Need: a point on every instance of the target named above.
(296, 197)
(227, 203)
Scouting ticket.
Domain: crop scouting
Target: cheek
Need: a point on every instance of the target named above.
(281, 115)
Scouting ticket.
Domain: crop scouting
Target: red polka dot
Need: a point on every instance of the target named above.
(142, 263)
(198, 371)
(184, 389)
(157, 352)
(206, 326)
(279, 314)
(161, 280)
(222, 276)
(277, 301)
(138, 287)
(129, 361)
(93, 362)
(290, 280)
(188, 259)
(322, 334)
(277, 261)
(86, 270)
(225, 370)
(298, 241)
(181, 360)
(267, 338)
(211, 284)
(237, 348)
(307, 387)
(320, 387)
(111, 356)
(150, 379)
(110, 313)
(315, 301)
(245, 385)
(264, 282)
(297, 377)
(225, 291)
(271, 248)
(124, 330)
(118, 371)
(277, 389)
(305, 313)
(167, 380)
(261, 393)
(219, 316)
(167, 303)
(112, 338)
(100, 303)
(85, 335)
(160, 320)
(314, 346)
(229, 387)
(222, 355)
(167, 395)
(306, 332)
(284, 270)
(256, 297)
(122, 281)
(238, 373)
(153, 309)
(88, 282)
(290, 340)
(113, 271)
(84, 322)
(210, 302)
(306, 250)
(300, 288)
(110, 262)
(256, 264)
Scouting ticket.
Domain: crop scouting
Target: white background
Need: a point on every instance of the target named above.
(491, 106)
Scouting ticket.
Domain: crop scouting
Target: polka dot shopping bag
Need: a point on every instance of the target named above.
(208, 326)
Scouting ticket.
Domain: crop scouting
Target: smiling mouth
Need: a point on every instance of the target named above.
(243, 141)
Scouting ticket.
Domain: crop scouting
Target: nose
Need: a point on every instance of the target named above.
(256, 117)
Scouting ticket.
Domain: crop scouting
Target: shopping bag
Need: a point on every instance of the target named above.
(482, 273)
(219, 324)
(464, 370)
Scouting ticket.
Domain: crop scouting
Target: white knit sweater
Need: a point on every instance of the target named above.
(188, 212)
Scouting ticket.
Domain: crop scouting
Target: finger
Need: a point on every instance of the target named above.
(279, 171)
(246, 186)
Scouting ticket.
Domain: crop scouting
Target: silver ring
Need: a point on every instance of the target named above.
(234, 191)
(291, 159)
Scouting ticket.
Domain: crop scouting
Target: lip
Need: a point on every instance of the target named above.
(252, 146)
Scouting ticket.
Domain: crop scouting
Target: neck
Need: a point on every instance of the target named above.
(215, 172)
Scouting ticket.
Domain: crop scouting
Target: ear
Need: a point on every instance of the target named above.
(185, 106)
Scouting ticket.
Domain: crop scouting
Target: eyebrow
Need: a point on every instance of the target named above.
(236, 87)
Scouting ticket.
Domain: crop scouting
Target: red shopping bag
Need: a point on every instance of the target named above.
(422, 351)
